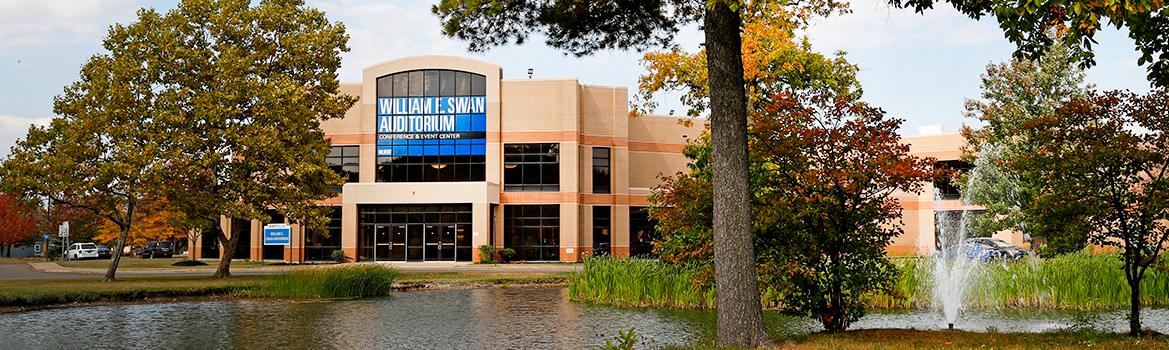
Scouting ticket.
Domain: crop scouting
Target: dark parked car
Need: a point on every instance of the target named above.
(1005, 249)
(156, 249)
(103, 252)
(976, 251)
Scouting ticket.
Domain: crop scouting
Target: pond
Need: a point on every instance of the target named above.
(493, 318)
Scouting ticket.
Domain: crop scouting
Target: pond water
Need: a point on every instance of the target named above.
(509, 318)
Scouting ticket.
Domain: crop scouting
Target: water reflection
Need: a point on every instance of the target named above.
(520, 318)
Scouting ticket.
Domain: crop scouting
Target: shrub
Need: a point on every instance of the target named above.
(339, 256)
(356, 280)
(638, 283)
(507, 254)
(487, 254)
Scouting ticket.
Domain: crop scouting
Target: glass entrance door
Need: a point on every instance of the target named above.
(446, 245)
(398, 243)
(414, 241)
(381, 250)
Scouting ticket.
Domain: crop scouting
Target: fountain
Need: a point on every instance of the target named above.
(952, 272)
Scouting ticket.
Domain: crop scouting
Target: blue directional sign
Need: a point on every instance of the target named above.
(277, 234)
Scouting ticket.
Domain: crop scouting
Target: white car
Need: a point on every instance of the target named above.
(79, 251)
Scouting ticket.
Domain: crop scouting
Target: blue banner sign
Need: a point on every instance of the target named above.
(426, 126)
(277, 234)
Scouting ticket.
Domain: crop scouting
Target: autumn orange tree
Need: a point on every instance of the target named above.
(1103, 160)
(153, 224)
(17, 223)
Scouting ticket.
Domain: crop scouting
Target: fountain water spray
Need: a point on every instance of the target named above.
(953, 270)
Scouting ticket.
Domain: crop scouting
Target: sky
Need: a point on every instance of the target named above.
(917, 67)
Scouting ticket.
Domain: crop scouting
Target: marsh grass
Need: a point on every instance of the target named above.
(638, 283)
(1081, 280)
(352, 280)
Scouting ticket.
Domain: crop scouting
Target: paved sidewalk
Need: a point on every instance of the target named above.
(407, 267)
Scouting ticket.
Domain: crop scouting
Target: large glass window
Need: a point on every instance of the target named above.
(602, 230)
(531, 167)
(345, 160)
(431, 126)
(601, 176)
(431, 168)
(243, 247)
(643, 232)
(414, 232)
(317, 246)
(533, 231)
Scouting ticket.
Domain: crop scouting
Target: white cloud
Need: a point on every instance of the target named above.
(874, 23)
(8, 122)
(35, 22)
(380, 31)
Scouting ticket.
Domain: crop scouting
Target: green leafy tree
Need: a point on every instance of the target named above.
(1028, 23)
(1103, 161)
(245, 88)
(824, 170)
(1013, 94)
(583, 27)
(98, 155)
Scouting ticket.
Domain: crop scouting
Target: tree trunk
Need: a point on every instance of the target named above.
(116, 254)
(227, 252)
(740, 312)
(1134, 317)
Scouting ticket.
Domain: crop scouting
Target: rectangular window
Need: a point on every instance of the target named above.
(602, 229)
(432, 168)
(531, 167)
(944, 187)
(643, 232)
(318, 247)
(533, 231)
(601, 174)
(345, 161)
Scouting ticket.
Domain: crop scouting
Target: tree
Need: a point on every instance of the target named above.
(1014, 94)
(99, 155)
(153, 224)
(583, 27)
(17, 224)
(1103, 160)
(824, 169)
(247, 88)
(1027, 24)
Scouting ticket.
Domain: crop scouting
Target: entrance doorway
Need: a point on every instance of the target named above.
(414, 232)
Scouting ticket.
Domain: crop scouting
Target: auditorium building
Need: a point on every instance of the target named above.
(442, 155)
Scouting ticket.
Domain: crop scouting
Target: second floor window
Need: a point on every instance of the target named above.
(531, 167)
(601, 174)
(345, 160)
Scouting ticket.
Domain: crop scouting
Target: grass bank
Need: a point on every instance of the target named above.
(359, 280)
(905, 339)
(1081, 280)
(638, 283)
(17, 295)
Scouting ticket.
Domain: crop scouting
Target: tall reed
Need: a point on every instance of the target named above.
(639, 283)
(351, 280)
(1081, 280)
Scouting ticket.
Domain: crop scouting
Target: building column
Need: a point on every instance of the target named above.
(349, 230)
